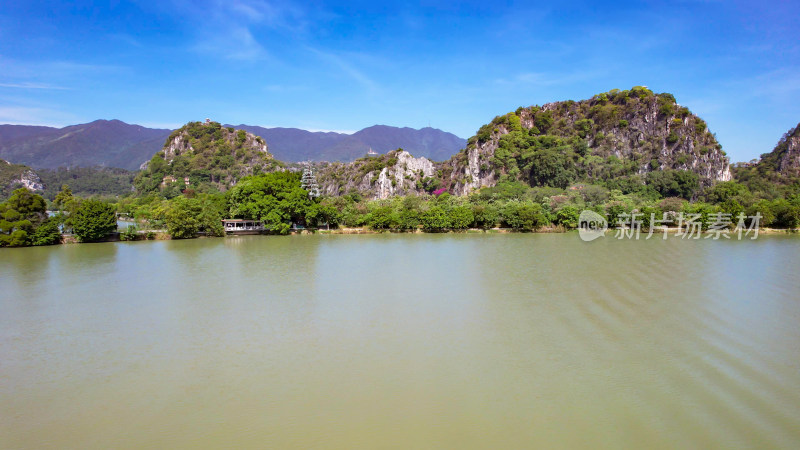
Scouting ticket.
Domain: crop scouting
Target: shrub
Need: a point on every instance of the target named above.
(461, 217)
(583, 127)
(47, 233)
(672, 138)
(523, 215)
(699, 126)
(485, 216)
(435, 219)
(568, 217)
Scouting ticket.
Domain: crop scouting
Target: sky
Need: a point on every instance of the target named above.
(344, 66)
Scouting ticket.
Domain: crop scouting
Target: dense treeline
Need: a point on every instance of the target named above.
(278, 200)
(24, 219)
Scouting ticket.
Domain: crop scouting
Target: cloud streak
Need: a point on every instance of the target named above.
(347, 69)
(29, 85)
(238, 29)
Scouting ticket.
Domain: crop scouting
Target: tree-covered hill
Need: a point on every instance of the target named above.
(620, 135)
(784, 159)
(205, 157)
(774, 171)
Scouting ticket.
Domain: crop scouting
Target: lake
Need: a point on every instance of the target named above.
(402, 341)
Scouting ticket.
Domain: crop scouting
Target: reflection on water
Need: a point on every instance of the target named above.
(473, 341)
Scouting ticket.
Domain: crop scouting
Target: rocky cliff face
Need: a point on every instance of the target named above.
(29, 179)
(14, 176)
(788, 152)
(395, 173)
(782, 164)
(471, 169)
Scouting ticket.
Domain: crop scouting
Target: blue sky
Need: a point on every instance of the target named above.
(328, 66)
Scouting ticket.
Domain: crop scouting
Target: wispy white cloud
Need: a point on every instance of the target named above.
(546, 79)
(29, 85)
(239, 29)
(781, 84)
(237, 43)
(347, 68)
(27, 115)
(35, 72)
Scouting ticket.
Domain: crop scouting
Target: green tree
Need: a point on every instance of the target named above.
(185, 217)
(461, 217)
(567, 217)
(20, 215)
(523, 215)
(324, 212)
(674, 183)
(726, 190)
(380, 218)
(274, 198)
(94, 220)
(64, 198)
(435, 218)
(485, 215)
(182, 218)
(47, 233)
(550, 167)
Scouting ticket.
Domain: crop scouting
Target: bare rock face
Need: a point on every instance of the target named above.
(788, 150)
(15, 176)
(395, 173)
(475, 172)
(29, 179)
(401, 178)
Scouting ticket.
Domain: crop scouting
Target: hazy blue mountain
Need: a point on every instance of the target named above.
(292, 145)
(108, 143)
(113, 143)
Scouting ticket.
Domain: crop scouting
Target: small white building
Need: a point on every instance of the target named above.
(242, 226)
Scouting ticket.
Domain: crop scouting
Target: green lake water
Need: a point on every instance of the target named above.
(402, 341)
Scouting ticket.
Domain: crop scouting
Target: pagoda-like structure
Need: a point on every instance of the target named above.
(309, 182)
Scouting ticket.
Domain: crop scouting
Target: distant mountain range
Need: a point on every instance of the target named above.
(293, 145)
(113, 143)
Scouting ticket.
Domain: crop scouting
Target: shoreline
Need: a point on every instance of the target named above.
(68, 239)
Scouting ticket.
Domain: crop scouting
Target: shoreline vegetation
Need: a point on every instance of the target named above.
(278, 201)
